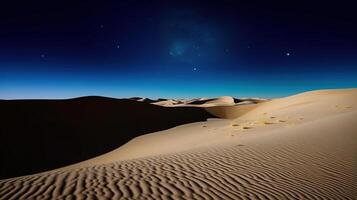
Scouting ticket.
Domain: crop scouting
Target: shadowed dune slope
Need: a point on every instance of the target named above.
(38, 135)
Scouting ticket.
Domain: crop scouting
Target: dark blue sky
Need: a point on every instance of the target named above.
(178, 49)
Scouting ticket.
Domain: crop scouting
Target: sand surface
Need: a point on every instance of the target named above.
(40, 135)
(299, 147)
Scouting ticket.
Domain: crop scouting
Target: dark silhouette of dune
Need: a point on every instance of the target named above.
(135, 98)
(237, 100)
(162, 99)
(39, 135)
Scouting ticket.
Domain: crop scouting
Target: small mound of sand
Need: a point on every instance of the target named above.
(230, 112)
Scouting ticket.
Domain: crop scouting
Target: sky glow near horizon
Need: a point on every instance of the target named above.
(176, 49)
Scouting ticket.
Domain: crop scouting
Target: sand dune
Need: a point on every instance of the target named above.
(299, 147)
(39, 135)
(231, 112)
(225, 100)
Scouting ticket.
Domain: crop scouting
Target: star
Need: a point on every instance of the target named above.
(42, 55)
(288, 54)
(118, 46)
(194, 69)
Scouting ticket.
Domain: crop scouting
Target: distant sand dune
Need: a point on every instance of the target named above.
(204, 102)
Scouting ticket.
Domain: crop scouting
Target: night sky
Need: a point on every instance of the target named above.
(175, 49)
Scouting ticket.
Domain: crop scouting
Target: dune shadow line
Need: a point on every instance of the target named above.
(39, 135)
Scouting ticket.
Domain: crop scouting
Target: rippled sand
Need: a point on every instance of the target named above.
(299, 147)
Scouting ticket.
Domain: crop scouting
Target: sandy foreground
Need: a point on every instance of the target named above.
(299, 147)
